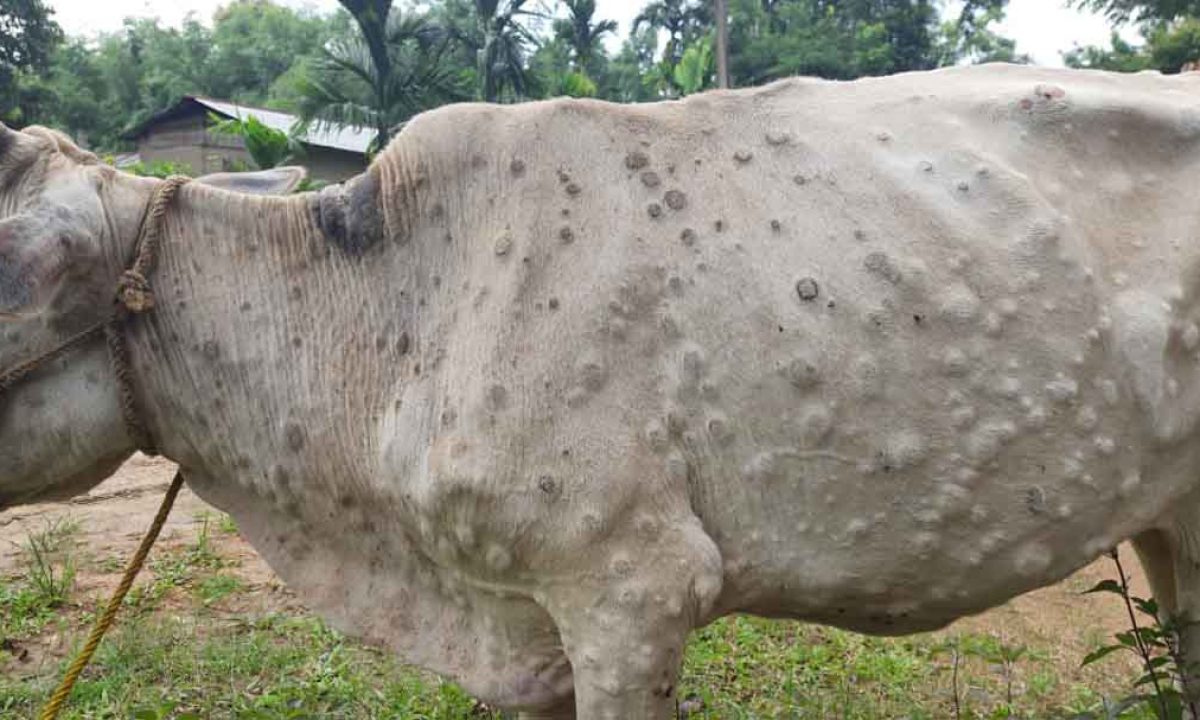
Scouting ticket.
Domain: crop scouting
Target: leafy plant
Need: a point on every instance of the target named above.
(1155, 643)
(576, 84)
(267, 146)
(695, 68)
(50, 563)
(160, 169)
(392, 69)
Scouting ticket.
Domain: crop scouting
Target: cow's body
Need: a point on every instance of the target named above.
(573, 376)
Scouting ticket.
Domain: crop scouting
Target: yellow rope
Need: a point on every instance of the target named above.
(50, 712)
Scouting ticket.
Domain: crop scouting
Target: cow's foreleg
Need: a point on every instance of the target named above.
(624, 621)
(1171, 559)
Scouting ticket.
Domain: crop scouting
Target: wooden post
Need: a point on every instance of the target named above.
(720, 9)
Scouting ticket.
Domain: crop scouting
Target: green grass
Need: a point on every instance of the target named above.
(29, 603)
(274, 667)
(184, 660)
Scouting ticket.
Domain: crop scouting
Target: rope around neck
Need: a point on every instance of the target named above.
(135, 297)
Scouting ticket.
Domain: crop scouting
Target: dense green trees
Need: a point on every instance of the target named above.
(376, 64)
(1170, 31)
(1140, 10)
(28, 39)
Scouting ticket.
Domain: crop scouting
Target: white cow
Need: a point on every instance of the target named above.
(551, 385)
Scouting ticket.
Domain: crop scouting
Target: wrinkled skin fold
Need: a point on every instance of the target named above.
(550, 385)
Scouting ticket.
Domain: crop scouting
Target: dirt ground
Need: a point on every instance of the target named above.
(111, 519)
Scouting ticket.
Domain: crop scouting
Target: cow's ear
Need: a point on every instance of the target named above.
(276, 181)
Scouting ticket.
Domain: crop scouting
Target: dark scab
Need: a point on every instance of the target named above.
(211, 349)
(808, 289)
(1035, 500)
(245, 307)
(880, 264)
(553, 303)
(517, 167)
(778, 138)
(799, 179)
(281, 478)
(636, 160)
(297, 342)
(497, 397)
(655, 210)
(688, 237)
(573, 189)
(566, 234)
(294, 436)
(743, 156)
(1049, 92)
(675, 199)
(549, 486)
(650, 179)
(776, 226)
(719, 226)
(403, 343)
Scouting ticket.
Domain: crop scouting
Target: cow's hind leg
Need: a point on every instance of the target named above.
(625, 618)
(1171, 558)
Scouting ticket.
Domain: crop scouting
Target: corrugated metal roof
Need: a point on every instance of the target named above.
(350, 139)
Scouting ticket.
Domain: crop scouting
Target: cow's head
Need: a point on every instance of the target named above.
(68, 224)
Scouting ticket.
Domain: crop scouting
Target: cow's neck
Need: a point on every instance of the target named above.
(273, 352)
(278, 370)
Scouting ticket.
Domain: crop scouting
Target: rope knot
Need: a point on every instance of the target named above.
(133, 290)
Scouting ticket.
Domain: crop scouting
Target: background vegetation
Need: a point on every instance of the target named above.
(375, 63)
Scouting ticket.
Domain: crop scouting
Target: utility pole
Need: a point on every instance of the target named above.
(721, 10)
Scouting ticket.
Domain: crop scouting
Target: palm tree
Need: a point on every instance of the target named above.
(581, 35)
(380, 77)
(682, 21)
(499, 44)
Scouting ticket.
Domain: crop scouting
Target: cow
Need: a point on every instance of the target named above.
(550, 385)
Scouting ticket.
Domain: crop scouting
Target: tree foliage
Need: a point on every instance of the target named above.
(28, 38)
(350, 84)
(1167, 46)
(1123, 11)
(373, 64)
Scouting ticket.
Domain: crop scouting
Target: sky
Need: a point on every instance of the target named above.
(1042, 28)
